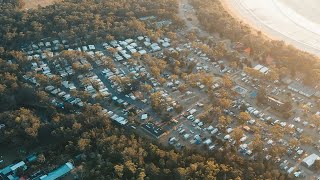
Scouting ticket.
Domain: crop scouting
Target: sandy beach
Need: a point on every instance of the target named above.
(285, 20)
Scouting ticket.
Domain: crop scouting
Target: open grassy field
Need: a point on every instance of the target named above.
(33, 4)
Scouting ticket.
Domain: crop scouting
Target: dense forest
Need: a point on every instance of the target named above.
(79, 21)
(103, 149)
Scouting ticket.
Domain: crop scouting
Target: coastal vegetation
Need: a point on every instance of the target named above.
(283, 58)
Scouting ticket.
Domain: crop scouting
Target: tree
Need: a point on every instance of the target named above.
(262, 95)
(317, 164)
(83, 144)
(306, 139)
(137, 26)
(135, 55)
(227, 82)
(223, 122)
(312, 77)
(237, 134)
(119, 170)
(130, 166)
(294, 142)
(172, 35)
(109, 37)
(146, 87)
(142, 175)
(156, 102)
(191, 36)
(272, 75)
(41, 158)
(252, 72)
(287, 106)
(243, 117)
(155, 72)
(182, 87)
(182, 172)
(225, 103)
(257, 144)
(277, 131)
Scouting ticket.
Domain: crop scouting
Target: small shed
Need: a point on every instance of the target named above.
(144, 117)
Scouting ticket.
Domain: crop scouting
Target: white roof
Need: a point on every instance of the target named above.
(144, 116)
(258, 67)
(129, 47)
(132, 50)
(123, 43)
(84, 48)
(142, 52)
(65, 84)
(269, 141)
(129, 40)
(227, 136)
(243, 146)
(264, 70)
(155, 48)
(147, 43)
(121, 120)
(310, 159)
(192, 111)
(208, 141)
(165, 44)
(229, 130)
(16, 166)
(290, 170)
(92, 47)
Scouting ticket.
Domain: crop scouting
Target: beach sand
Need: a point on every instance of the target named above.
(283, 20)
(249, 21)
(307, 8)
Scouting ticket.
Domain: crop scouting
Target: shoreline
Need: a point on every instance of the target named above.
(237, 15)
(247, 17)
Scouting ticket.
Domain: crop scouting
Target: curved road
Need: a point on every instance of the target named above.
(287, 20)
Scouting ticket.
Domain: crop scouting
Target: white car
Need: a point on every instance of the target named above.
(2, 126)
